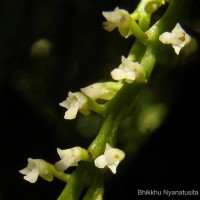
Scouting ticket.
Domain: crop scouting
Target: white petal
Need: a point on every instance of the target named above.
(113, 16)
(32, 176)
(68, 153)
(108, 147)
(109, 26)
(83, 103)
(165, 38)
(62, 165)
(100, 161)
(113, 168)
(64, 104)
(128, 70)
(24, 171)
(32, 163)
(98, 91)
(113, 157)
(126, 63)
(178, 29)
(72, 111)
(177, 49)
(120, 74)
(80, 98)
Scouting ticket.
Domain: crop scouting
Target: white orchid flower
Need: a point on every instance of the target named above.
(74, 102)
(35, 168)
(111, 158)
(128, 70)
(178, 38)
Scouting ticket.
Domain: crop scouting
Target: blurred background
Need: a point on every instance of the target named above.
(48, 48)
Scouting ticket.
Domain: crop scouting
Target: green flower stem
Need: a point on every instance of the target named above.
(75, 185)
(86, 175)
(84, 155)
(59, 175)
(148, 61)
(113, 85)
(117, 108)
(106, 134)
(101, 108)
(123, 100)
(138, 33)
(153, 6)
(137, 51)
(140, 10)
(144, 22)
(141, 15)
(96, 188)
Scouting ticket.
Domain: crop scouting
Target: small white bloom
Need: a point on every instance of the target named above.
(74, 102)
(104, 91)
(178, 38)
(118, 18)
(111, 158)
(35, 168)
(69, 157)
(129, 70)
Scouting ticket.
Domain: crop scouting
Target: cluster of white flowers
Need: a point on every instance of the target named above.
(128, 71)
(121, 19)
(70, 157)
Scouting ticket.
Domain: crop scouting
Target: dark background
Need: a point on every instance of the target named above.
(81, 53)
